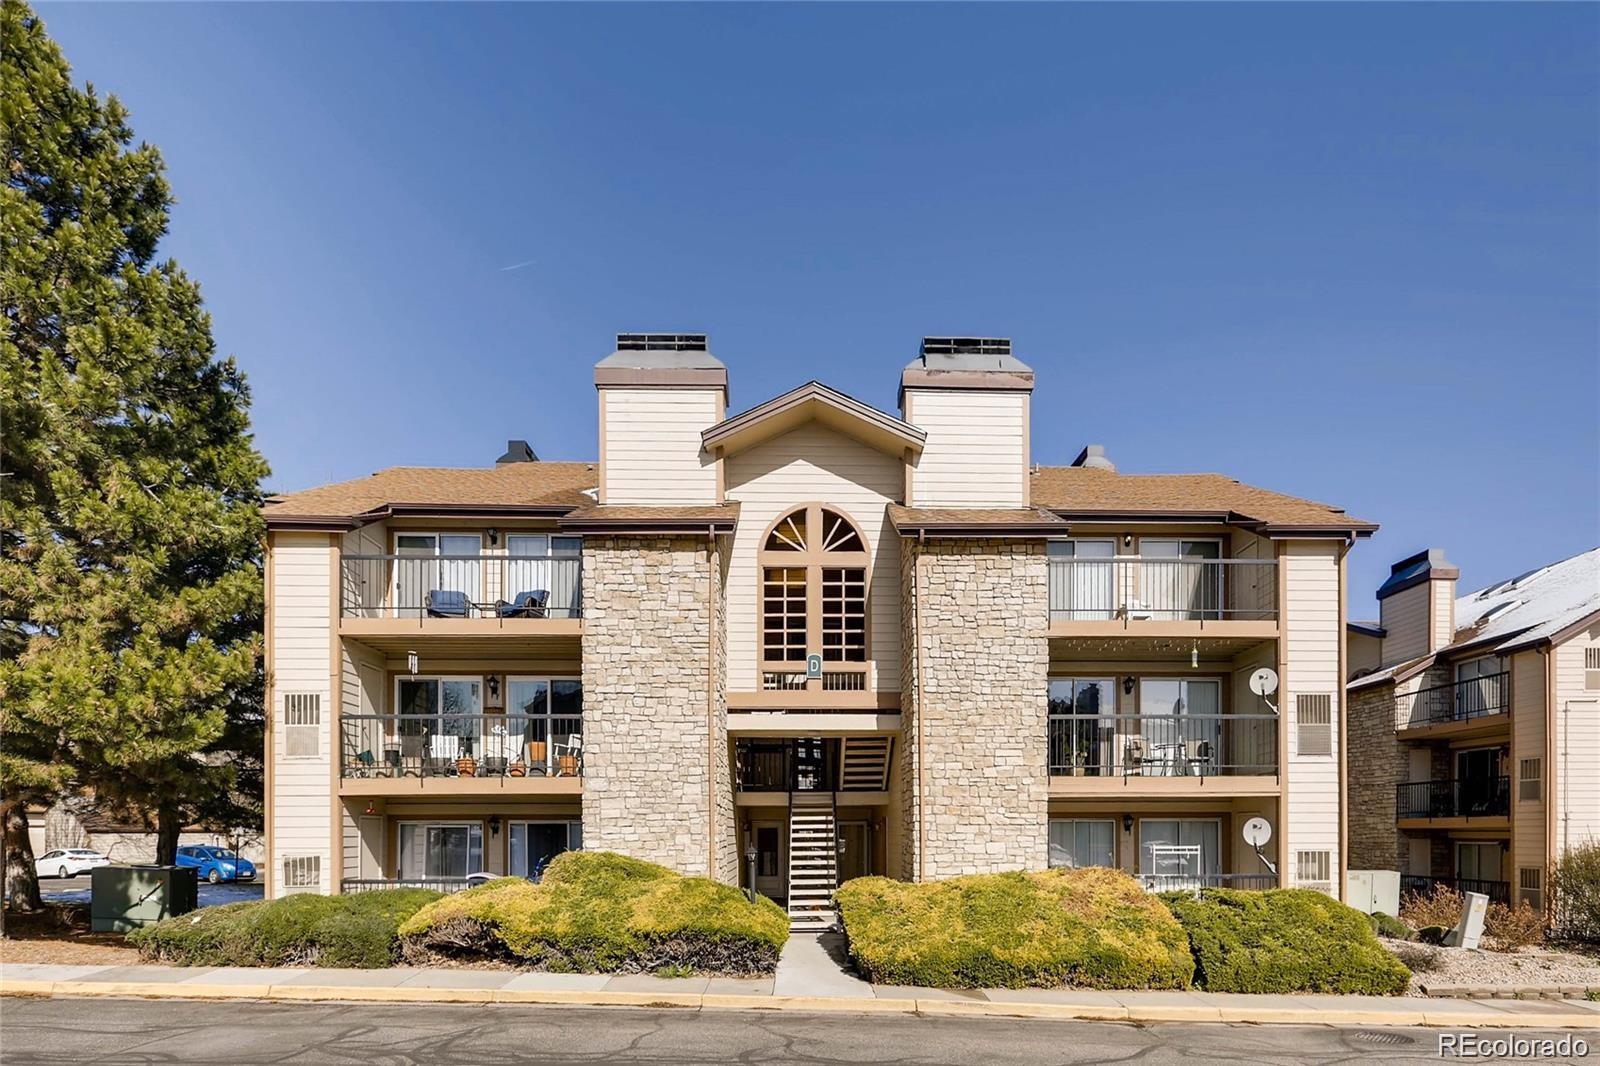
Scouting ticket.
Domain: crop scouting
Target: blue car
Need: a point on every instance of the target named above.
(216, 864)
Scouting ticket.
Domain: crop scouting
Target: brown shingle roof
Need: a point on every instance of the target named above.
(630, 519)
(1085, 492)
(975, 520)
(537, 484)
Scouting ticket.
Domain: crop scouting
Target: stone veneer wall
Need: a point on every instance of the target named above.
(983, 678)
(648, 630)
(1378, 762)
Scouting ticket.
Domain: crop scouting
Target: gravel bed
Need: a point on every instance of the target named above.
(1494, 970)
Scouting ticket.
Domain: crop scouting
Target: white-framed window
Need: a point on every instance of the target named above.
(543, 726)
(438, 574)
(1080, 842)
(1177, 853)
(814, 568)
(1082, 578)
(440, 850)
(531, 845)
(302, 725)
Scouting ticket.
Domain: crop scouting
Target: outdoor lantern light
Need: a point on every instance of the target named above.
(1127, 823)
(370, 808)
(1127, 685)
(494, 686)
(750, 853)
(494, 537)
(494, 825)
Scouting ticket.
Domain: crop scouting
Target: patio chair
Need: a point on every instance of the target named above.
(569, 756)
(445, 603)
(524, 605)
(443, 751)
(1197, 755)
(362, 764)
(497, 748)
(1134, 755)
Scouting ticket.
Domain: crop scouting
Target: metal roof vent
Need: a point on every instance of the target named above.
(661, 342)
(966, 346)
(517, 451)
(1093, 457)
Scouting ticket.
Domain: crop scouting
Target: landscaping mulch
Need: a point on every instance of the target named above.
(60, 934)
(1437, 969)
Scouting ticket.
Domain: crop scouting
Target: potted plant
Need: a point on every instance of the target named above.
(517, 769)
(466, 766)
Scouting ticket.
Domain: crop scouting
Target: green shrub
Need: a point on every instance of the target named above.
(1284, 940)
(1575, 889)
(1389, 926)
(357, 930)
(598, 912)
(1092, 928)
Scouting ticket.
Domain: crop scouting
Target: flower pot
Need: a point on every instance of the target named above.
(466, 766)
(518, 770)
(567, 766)
(536, 751)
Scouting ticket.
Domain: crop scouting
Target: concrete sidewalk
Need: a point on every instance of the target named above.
(405, 985)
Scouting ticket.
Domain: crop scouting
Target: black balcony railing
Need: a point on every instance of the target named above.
(1473, 797)
(438, 884)
(461, 745)
(461, 586)
(1190, 882)
(1171, 590)
(1172, 745)
(1497, 891)
(1461, 701)
(803, 765)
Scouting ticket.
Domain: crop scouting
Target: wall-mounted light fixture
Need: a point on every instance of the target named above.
(494, 825)
(1127, 540)
(494, 537)
(1194, 656)
(494, 686)
(370, 808)
(1127, 685)
(1127, 823)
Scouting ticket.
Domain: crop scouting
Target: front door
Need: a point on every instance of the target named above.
(855, 850)
(769, 859)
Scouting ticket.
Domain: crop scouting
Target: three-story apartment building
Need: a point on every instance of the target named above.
(1475, 721)
(807, 642)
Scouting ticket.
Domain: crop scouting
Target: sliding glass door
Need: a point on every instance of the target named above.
(1181, 580)
(539, 564)
(1082, 579)
(531, 845)
(1179, 853)
(440, 850)
(1180, 724)
(429, 563)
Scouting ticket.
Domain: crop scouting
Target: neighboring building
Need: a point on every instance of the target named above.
(78, 823)
(1011, 665)
(1475, 726)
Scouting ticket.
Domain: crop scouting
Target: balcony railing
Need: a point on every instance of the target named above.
(1497, 891)
(461, 745)
(810, 765)
(1190, 882)
(438, 884)
(1172, 745)
(1485, 797)
(1462, 701)
(1170, 590)
(461, 586)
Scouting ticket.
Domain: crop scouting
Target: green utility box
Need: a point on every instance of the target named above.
(125, 897)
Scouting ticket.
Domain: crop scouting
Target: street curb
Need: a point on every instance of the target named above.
(1311, 1015)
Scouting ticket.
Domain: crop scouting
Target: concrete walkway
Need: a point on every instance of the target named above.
(816, 964)
(406, 985)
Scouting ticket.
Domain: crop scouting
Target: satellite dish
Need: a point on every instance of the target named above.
(1264, 682)
(1257, 831)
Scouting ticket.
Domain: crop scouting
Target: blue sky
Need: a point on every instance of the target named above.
(1350, 252)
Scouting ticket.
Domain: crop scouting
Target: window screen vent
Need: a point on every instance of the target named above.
(1591, 668)
(1314, 869)
(1529, 775)
(1313, 713)
(302, 872)
(1529, 886)
(661, 342)
(302, 725)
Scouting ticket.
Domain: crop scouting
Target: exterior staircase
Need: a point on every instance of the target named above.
(864, 764)
(813, 861)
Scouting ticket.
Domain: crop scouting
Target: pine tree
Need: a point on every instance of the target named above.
(130, 530)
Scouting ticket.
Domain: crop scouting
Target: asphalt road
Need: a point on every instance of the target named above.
(41, 1031)
(76, 890)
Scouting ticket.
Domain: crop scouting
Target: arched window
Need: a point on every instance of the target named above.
(813, 594)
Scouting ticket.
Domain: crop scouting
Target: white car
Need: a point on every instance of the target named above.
(68, 862)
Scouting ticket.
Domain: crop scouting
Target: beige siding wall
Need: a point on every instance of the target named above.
(1363, 654)
(1528, 742)
(1577, 727)
(1311, 651)
(1404, 617)
(976, 454)
(651, 446)
(806, 464)
(1444, 613)
(302, 648)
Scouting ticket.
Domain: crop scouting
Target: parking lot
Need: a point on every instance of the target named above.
(76, 890)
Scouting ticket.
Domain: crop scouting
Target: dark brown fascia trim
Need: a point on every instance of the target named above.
(1001, 380)
(668, 377)
(1565, 633)
(1231, 518)
(1027, 530)
(813, 390)
(311, 522)
(472, 510)
(649, 527)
